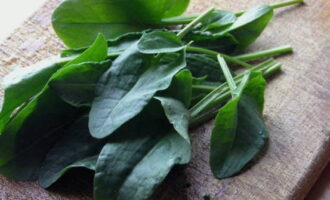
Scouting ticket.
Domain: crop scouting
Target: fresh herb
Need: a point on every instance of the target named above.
(120, 101)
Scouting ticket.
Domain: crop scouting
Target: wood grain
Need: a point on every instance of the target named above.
(297, 111)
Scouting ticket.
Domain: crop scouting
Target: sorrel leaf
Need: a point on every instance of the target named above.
(77, 22)
(70, 151)
(31, 133)
(129, 85)
(159, 42)
(239, 132)
(76, 83)
(23, 84)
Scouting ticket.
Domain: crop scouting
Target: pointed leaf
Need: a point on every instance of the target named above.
(31, 133)
(76, 83)
(24, 83)
(77, 22)
(97, 52)
(128, 85)
(75, 149)
(159, 42)
(239, 132)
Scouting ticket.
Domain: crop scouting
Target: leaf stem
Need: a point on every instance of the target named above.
(215, 54)
(231, 83)
(286, 3)
(200, 112)
(265, 53)
(192, 24)
(278, 5)
(183, 19)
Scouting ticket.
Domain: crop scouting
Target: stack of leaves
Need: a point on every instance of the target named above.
(121, 105)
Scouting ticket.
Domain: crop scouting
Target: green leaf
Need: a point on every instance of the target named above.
(250, 24)
(76, 83)
(203, 65)
(159, 42)
(77, 22)
(31, 133)
(97, 52)
(239, 132)
(115, 45)
(180, 88)
(218, 19)
(222, 42)
(23, 84)
(128, 86)
(120, 175)
(177, 114)
(133, 164)
(77, 148)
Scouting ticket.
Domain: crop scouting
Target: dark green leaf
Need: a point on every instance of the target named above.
(77, 22)
(180, 88)
(222, 42)
(203, 65)
(177, 114)
(31, 133)
(250, 24)
(115, 45)
(239, 132)
(133, 165)
(23, 84)
(218, 19)
(76, 83)
(77, 148)
(128, 86)
(159, 42)
(95, 53)
(120, 175)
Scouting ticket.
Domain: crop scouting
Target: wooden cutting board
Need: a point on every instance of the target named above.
(297, 111)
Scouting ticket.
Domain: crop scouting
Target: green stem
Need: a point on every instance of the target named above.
(186, 19)
(286, 3)
(192, 24)
(265, 53)
(221, 93)
(207, 88)
(261, 67)
(215, 54)
(272, 70)
(183, 19)
(231, 83)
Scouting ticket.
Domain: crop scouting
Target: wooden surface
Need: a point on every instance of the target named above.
(321, 189)
(297, 111)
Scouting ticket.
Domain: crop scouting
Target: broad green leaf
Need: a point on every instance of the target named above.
(138, 160)
(203, 65)
(250, 24)
(127, 87)
(180, 88)
(177, 114)
(222, 42)
(159, 42)
(218, 20)
(76, 148)
(31, 133)
(97, 52)
(233, 35)
(115, 45)
(22, 84)
(239, 132)
(86, 163)
(134, 169)
(76, 83)
(77, 22)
